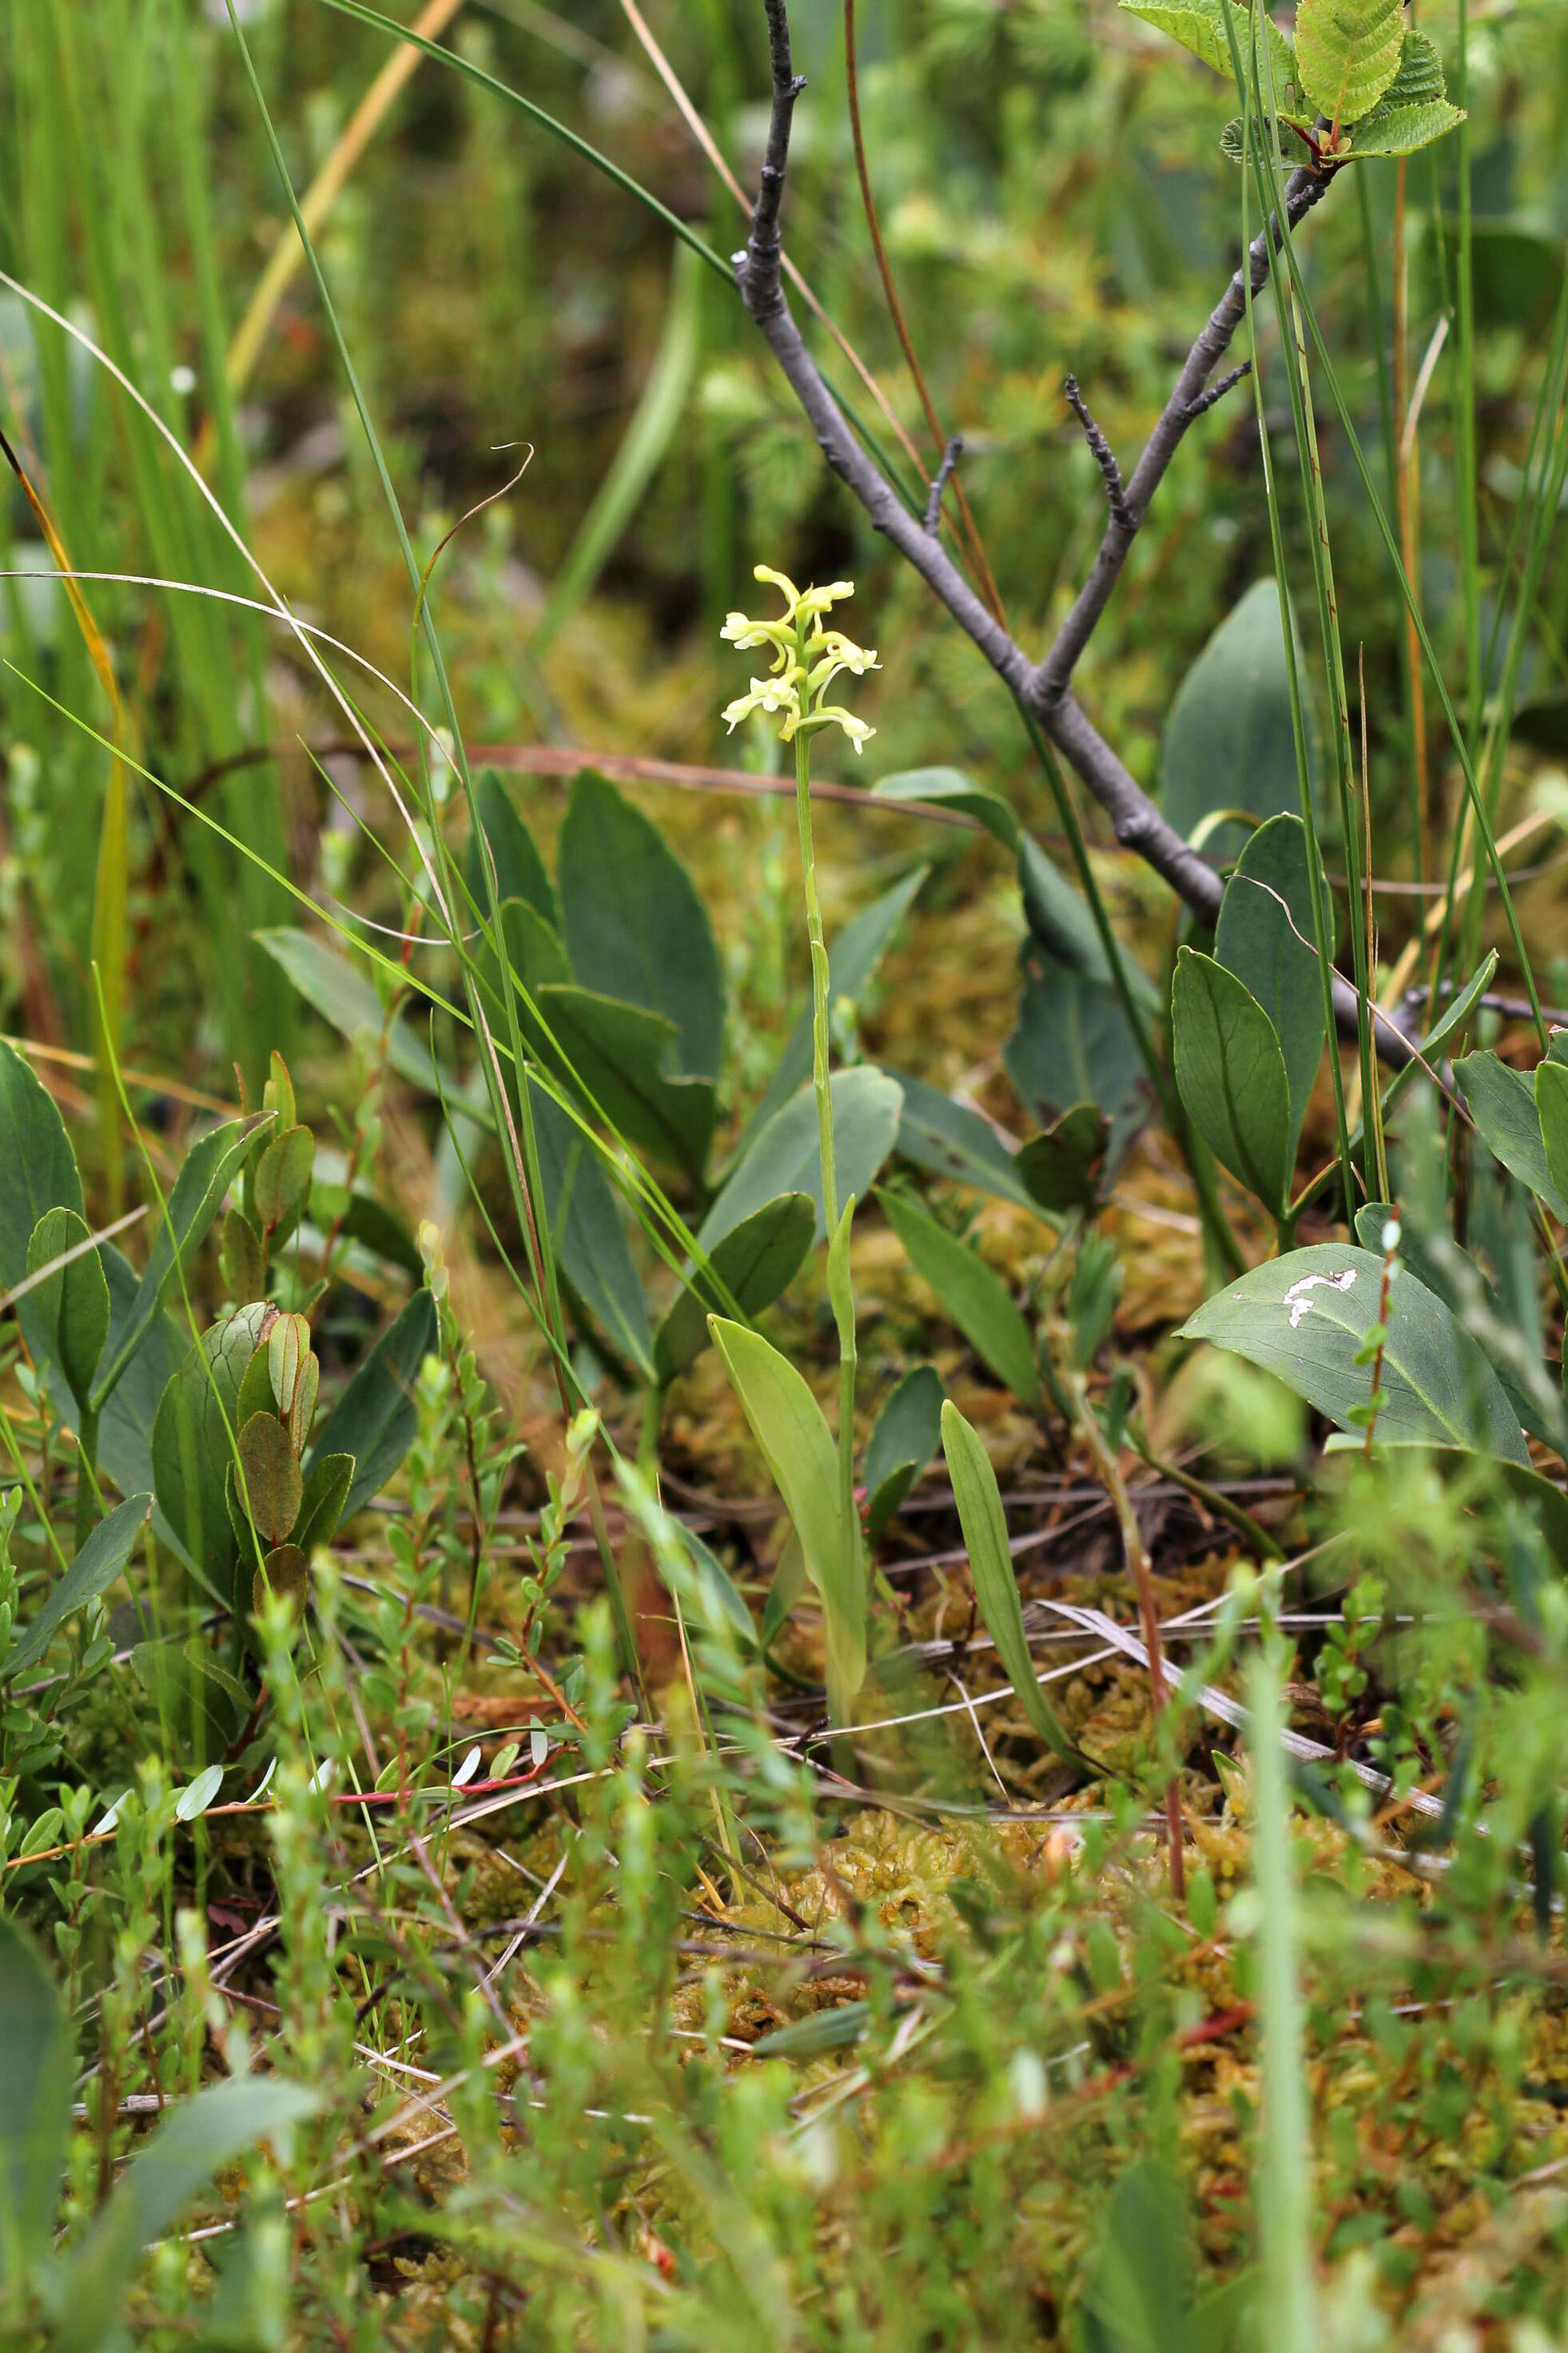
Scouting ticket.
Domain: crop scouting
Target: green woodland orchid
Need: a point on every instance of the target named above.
(807, 658)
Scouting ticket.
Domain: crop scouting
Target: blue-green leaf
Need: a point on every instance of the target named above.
(635, 925)
(1305, 1316)
(35, 2105)
(1231, 1076)
(797, 1445)
(91, 1573)
(376, 1416)
(784, 1157)
(977, 1299)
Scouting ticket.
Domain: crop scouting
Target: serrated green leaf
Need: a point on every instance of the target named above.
(1199, 25)
(1287, 145)
(976, 1298)
(1414, 109)
(1348, 53)
(1305, 1316)
(1230, 1073)
(1402, 129)
(985, 1525)
(797, 1445)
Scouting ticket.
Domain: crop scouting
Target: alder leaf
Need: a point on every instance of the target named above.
(1348, 53)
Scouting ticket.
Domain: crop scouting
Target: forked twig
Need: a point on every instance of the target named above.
(1043, 688)
(1103, 454)
(939, 481)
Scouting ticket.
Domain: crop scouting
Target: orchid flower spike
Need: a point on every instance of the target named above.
(807, 658)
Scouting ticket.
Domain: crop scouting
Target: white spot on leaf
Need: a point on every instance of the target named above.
(1297, 1301)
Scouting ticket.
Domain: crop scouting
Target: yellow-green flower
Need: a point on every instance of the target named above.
(807, 658)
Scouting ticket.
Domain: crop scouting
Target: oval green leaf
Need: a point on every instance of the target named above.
(1230, 1073)
(1305, 1317)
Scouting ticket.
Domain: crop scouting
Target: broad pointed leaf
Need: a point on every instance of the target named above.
(785, 1158)
(907, 1433)
(1305, 1317)
(755, 1262)
(35, 2105)
(1228, 741)
(622, 1056)
(73, 1301)
(37, 1172)
(1073, 1045)
(951, 788)
(376, 1416)
(91, 1573)
(211, 1165)
(1264, 936)
(798, 1447)
(1502, 1103)
(519, 868)
(1231, 1075)
(952, 1141)
(985, 1525)
(587, 1229)
(968, 1291)
(635, 925)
